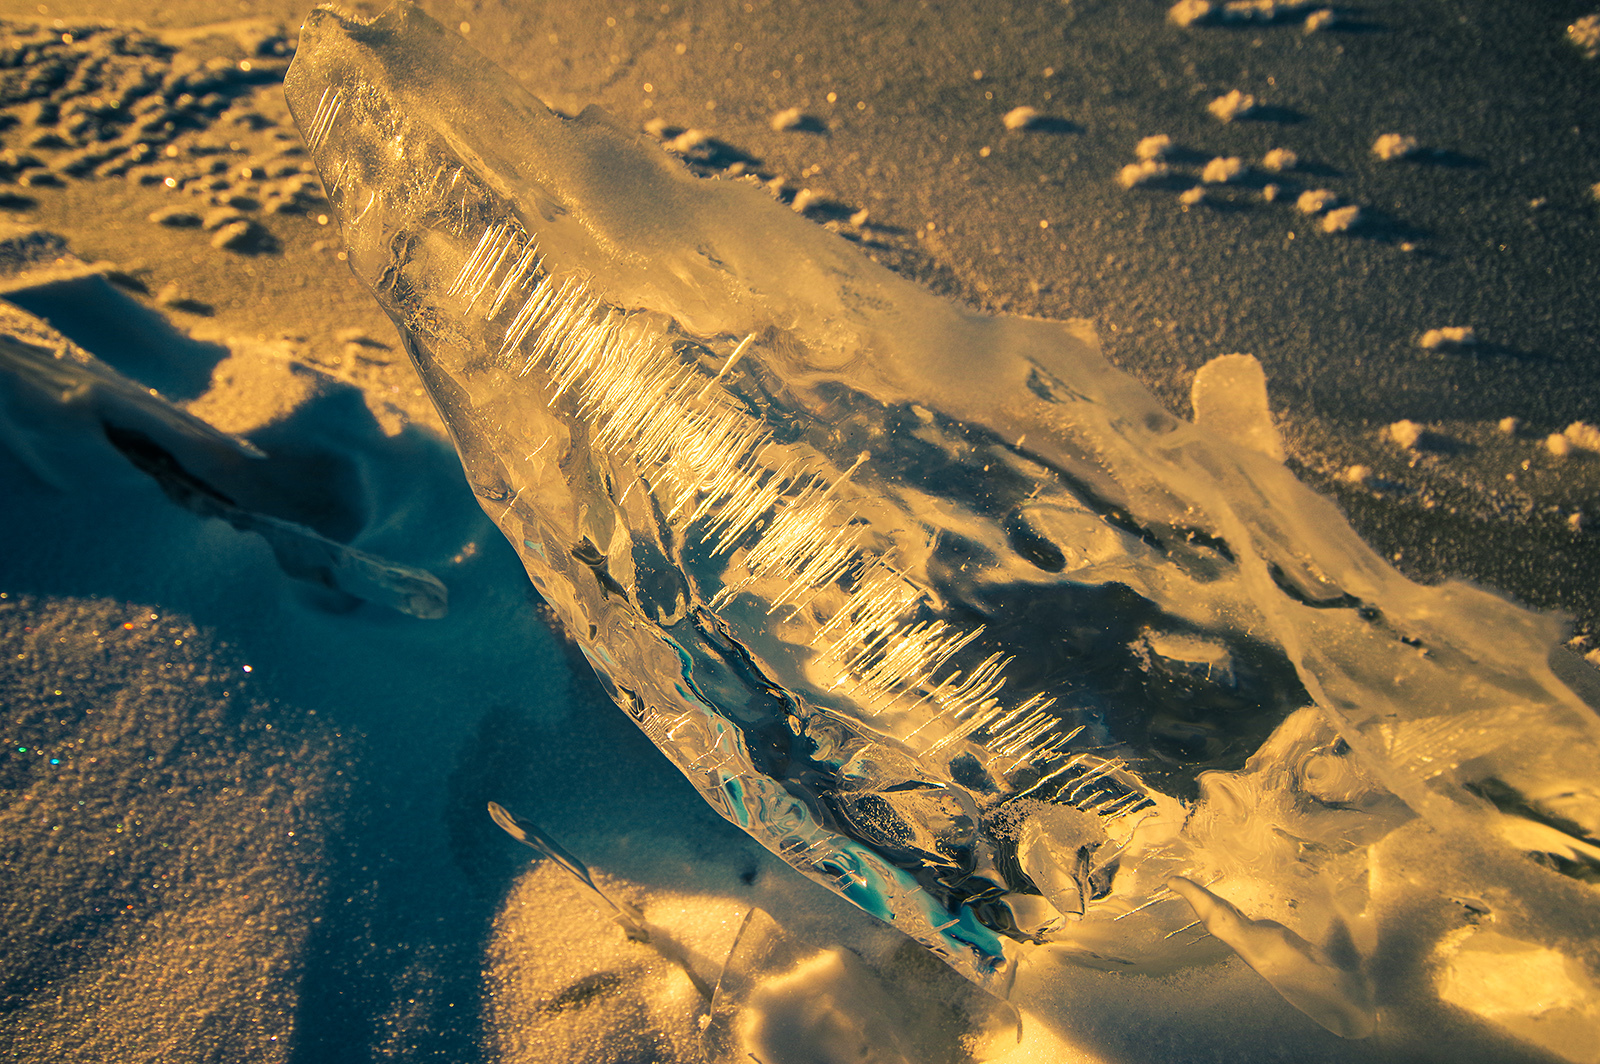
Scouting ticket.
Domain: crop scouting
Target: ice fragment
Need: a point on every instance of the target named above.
(781, 499)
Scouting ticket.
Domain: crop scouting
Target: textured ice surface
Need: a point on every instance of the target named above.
(938, 606)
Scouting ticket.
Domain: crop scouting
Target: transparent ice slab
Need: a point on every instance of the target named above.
(939, 606)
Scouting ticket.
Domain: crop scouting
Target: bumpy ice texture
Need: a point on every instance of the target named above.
(938, 606)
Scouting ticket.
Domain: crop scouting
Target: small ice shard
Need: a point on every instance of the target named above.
(1333, 992)
(1316, 200)
(790, 118)
(1558, 444)
(1183, 655)
(530, 835)
(1407, 434)
(1140, 173)
(1341, 219)
(1280, 160)
(886, 577)
(1221, 170)
(1448, 338)
(626, 915)
(1193, 197)
(1021, 118)
(1585, 35)
(1233, 105)
(1358, 474)
(1392, 146)
(1153, 148)
(1229, 396)
(1509, 426)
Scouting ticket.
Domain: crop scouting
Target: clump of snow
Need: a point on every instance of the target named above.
(1451, 336)
(1585, 33)
(1341, 219)
(1558, 445)
(688, 141)
(804, 200)
(1321, 20)
(657, 128)
(1509, 425)
(1407, 434)
(1155, 147)
(1220, 171)
(1269, 193)
(1234, 105)
(1316, 200)
(1235, 12)
(1135, 174)
(859, 219)
(1392, 146)
(1263, 10)
(1280, 160)
(1358, 474)
(1021, 118)
(1575, 521)
(1594, 190)
(787, 119)
(1193, 196)
(1191, 12)
(1583, 435)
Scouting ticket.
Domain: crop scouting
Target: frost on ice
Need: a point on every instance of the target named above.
(938, 606)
